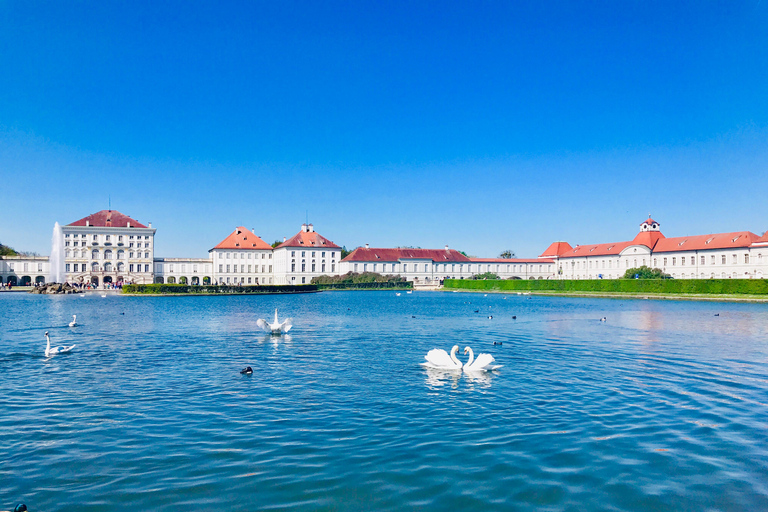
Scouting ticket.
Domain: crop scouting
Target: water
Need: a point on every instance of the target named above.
(662, 407)
(56, 274)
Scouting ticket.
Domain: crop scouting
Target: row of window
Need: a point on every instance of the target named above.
(107, 255)
(314, 266)
(107, 238)
(83, 244)
(445, 267)
(82, 267)
(170, 268)
(251, 255)
(251, 269)
(712, 260)
(26, 265)
(312, 254)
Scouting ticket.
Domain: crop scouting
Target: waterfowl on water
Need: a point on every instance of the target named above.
(247, 370)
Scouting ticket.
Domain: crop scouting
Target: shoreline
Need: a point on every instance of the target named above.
(627, 295)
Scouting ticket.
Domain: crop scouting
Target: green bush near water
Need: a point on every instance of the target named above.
(670, 286)
(162, 289)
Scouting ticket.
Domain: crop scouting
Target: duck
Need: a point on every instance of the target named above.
(499, 343)
(73, 323)
(247, 370)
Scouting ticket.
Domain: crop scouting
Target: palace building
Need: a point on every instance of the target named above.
(305, 255)
(737, 255)
(108, 247)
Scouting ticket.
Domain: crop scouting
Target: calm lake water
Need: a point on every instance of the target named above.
(661, 407)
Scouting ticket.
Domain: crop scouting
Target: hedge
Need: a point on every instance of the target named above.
(671, 286)
(160, 289)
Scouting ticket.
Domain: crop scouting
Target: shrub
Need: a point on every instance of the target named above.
(645, 272)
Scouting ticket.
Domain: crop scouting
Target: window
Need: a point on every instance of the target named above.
(293, 267)
(293, 254)
(703, 263)
(76, 266)
(249, 269)
(227, 270)
(713, 262)
(736, 259)
(66, 267)
(107, 238)
(665, 262)
(333, 267)
(746, 258)
(682, 261)
(221, 268)
(674, 261)
(722, 259)
(130, 267)
(322, 267)
(355, 267)
(303, 269)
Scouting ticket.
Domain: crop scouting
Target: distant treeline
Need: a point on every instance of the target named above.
(366, 278)
(669, 286)
(171, 289)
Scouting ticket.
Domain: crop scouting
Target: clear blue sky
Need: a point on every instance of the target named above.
(482, 125)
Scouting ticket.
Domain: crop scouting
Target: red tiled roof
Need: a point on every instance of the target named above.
(242, 238)
(650, 221)
(648, 239)
(436, 255)
(702, 242)
(308, 239)
(581, 251)
(511, 260)
(108, 218)
(556, 249)
(763, 239)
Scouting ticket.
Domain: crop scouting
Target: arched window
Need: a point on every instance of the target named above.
(121, 267)
(94, 267)
(107, 267)
(95, 254)
(121, 254)
(107, 254)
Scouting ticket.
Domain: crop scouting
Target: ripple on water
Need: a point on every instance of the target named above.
(661, 408)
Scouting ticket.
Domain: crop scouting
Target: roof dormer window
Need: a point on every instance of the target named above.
(737, 237)
(709, 240)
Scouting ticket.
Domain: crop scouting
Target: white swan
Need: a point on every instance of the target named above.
(483, 363)
(276, 327)
(55, 350)
(73, 323)
(439, 359)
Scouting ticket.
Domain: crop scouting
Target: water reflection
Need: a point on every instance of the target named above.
(438, 378)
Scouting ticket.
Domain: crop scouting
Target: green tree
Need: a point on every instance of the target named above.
(7, 251)
(486, 275)
(645, 272)
(276, 243)
(344, 252)
(507, 255)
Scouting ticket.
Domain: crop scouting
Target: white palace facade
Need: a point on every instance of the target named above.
(737, 255)
(110, 247)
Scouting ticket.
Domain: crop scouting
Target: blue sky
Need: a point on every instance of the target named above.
(482, 125)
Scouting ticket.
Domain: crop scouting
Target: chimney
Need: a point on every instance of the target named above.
(128, 224)
(446, 247)
(311, 228)
(366, 246)
(87, 223)
(150, 224)
(304, 228)
(284, 239)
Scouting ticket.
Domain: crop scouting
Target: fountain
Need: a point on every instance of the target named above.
(56, 273)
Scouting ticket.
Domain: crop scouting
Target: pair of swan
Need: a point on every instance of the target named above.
(275, 327)
(55, 350)
(439, 359)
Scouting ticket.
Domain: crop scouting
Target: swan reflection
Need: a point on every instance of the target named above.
(438, 378)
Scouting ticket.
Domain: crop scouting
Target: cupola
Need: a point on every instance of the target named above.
(649, 225)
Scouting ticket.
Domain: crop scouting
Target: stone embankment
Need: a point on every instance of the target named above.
(55, 288)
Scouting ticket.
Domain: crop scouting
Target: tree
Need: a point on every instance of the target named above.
(276, 243)
(507, 255)
(7, 251)
(645, 272)
(344, 252)
(486, 275)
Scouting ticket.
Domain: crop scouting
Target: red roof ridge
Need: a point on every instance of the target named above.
(108, 219)
(397, 253)
(243, 239)
(308, 239)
